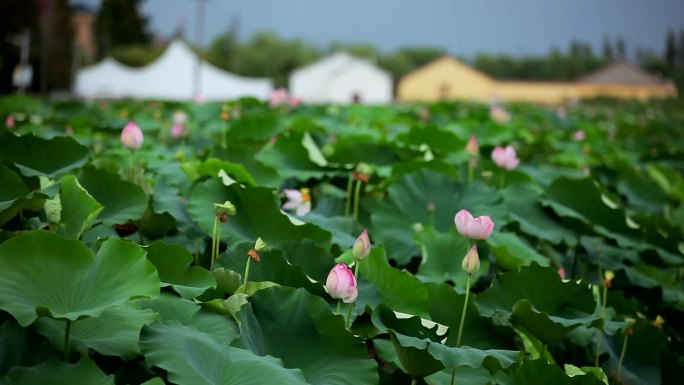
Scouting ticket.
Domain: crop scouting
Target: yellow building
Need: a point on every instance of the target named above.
(449, 78)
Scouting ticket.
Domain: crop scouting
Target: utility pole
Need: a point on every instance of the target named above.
(199, 32)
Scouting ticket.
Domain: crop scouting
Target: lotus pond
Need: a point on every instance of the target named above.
(224, 243)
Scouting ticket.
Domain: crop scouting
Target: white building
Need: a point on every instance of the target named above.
(170, 77)
(341, 78)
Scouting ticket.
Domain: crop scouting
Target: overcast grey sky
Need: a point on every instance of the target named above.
(461, 27)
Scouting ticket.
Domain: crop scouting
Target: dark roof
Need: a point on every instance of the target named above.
(621, 72)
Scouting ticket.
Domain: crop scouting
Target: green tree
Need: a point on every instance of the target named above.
(120, 23)
(608, 54)
(670, 49)
(407, 59)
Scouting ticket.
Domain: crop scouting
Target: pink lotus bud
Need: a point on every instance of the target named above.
(69, 131)
(561, 272)
(472, 148)
(294, 101)
(9, 123)
(431, 207)
(473, 228)
(499, 114)
(180, 117)
(341, 283)
(361, 247)
(579, 135)
(177, 130)
(278, 96)
(132, 136)
(505, 157)
(471, 262)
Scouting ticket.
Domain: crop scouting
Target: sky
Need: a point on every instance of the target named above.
(460, 27)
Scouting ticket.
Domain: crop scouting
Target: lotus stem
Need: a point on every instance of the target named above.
(413, 381)
(465, 306)
(471, 169)
(453, 376)
(357, 192)
(339, 305)
(600, 331)
(502, 179)
(351, 305)
(247, 271)
(215, 240)
(67, 332)
(622, 357)
(347, 203)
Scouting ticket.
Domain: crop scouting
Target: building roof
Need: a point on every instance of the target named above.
(621, 72)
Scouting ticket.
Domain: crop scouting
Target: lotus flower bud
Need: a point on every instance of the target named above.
(473, 228)
(505, 157)
(132, 136)
(9, 122)
(341, 283)
(361, 247)
(471, 262)
(472, 148)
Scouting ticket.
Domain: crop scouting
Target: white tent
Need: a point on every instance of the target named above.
(341, 78)
(170, 77)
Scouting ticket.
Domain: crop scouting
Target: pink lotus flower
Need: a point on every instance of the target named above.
(180, 117)
(132, 136)
(472, 148)
(473, 228)
(177, 130)
(9, 122)
(505, 157)
(294, 101)
(299, 200)
(499, 114)
(579, 135)
(471, 262)
(362, 246)
(341, 283)
(278, 96)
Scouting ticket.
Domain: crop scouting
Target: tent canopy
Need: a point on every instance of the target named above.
(341, 78)
(170, 77)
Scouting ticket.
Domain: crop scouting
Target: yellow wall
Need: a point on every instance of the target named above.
(445, 75)
(429, 82)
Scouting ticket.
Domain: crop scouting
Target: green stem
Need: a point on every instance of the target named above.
(67, 332)
(351, 305)
(600, 331)
(339, 305)
(453, 376)
(465, 306)
(471, 169)
(357, 192)
(622, 357)
(215, 241)
(347, 203)
(413, 381)
(502, 179)
(131, 170)
(247, 271)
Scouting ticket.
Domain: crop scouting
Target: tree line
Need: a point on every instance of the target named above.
(122, 32)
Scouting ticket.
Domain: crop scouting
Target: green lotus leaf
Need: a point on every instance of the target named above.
(15, 195)
(44, 274)
(582, 199)
(408, 201)
(21, 347)
(523, 206)
(172, 308)
(536, 299)
(79, 209)
(191, 357)
(446, 306)
(442, 254)
(212, 166)
(56, 372)
(291, 159)
(540, 372)
(395, 288)
(264, 175)
(273, 267)
(114, 333)
(512, 252)
(173, 264)
(122, 200)
(258, 216)
(316, 341)
(35, 156)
